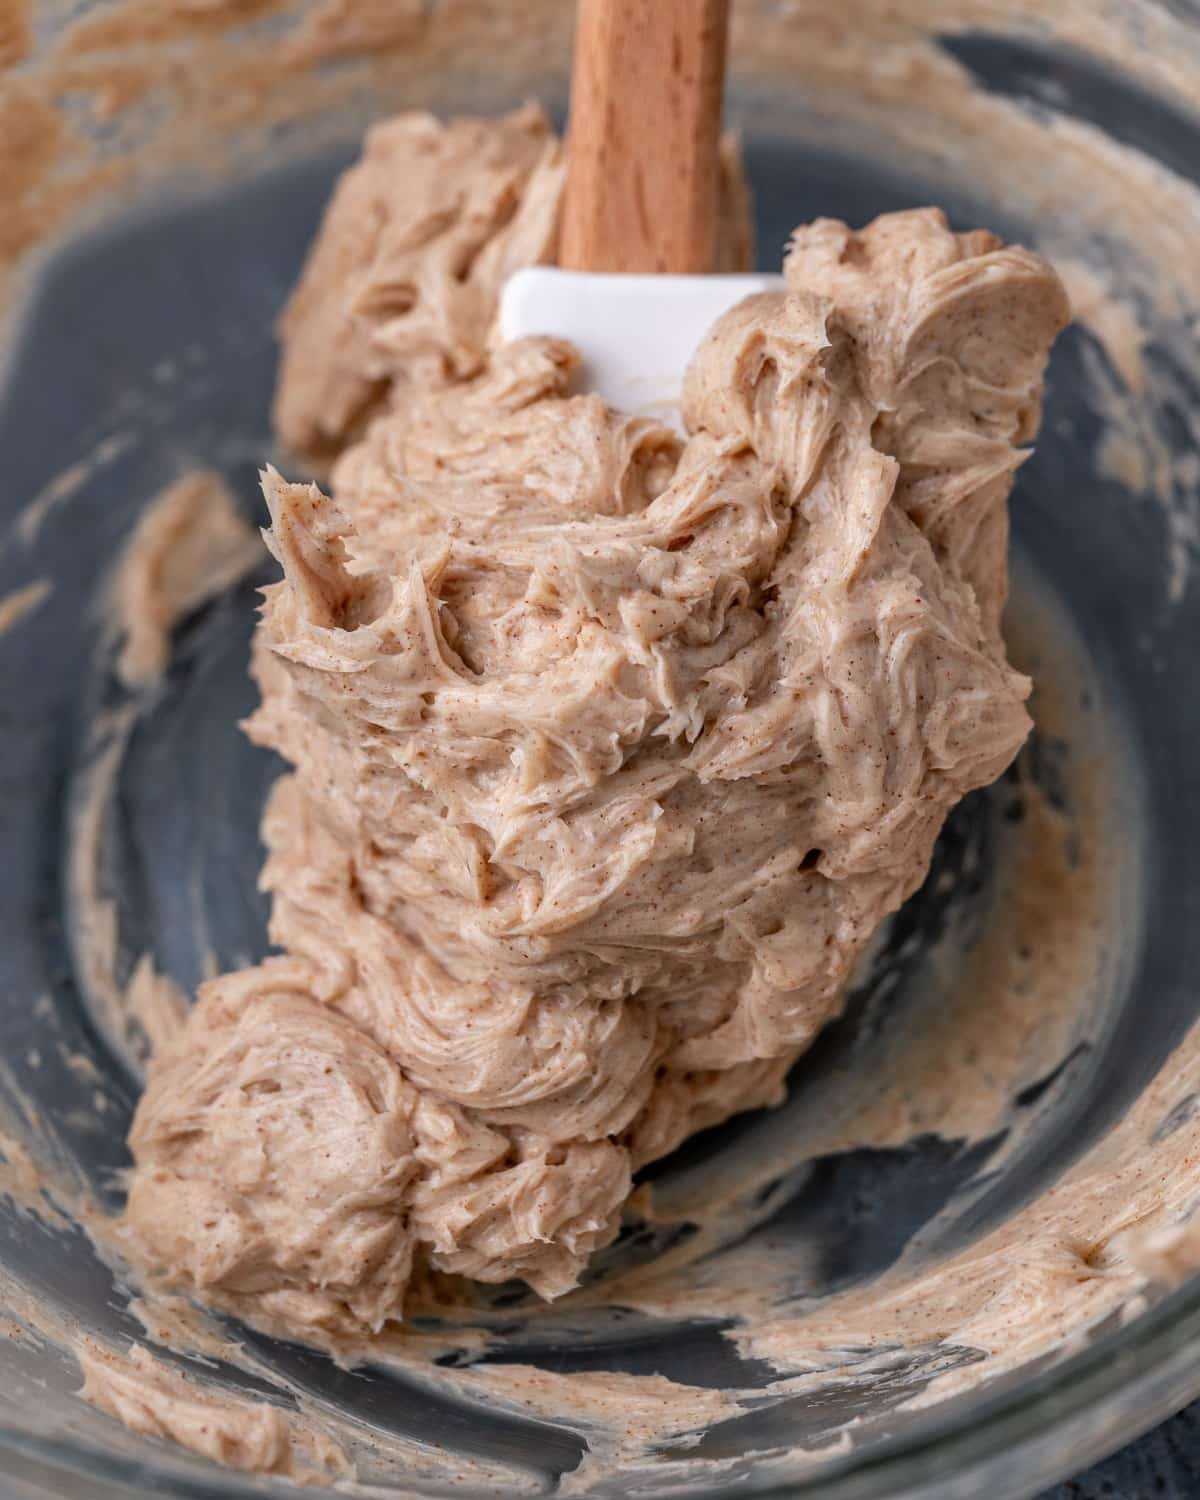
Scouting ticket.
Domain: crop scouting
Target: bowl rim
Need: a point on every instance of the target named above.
(1073, 1412)
(1009, 1443)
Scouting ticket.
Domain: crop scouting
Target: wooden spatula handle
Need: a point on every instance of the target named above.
(642, 174)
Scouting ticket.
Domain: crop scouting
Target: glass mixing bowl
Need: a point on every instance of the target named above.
(163, 166)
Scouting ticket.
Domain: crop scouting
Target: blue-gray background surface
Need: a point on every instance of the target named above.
(1164, 1463)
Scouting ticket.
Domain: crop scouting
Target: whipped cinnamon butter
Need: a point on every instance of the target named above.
(610, 750)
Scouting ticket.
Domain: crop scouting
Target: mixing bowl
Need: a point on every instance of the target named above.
(1022, 1032)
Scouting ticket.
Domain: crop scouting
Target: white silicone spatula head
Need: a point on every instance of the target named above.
(640, 205)
(635, 334)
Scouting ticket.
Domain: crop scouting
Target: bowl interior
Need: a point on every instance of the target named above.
(1056, 934)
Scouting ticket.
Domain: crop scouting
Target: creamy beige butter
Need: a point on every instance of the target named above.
(190, 544)
(610, 752)
(151, 1397)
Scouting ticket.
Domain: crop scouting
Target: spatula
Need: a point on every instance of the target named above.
(640, 207)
